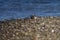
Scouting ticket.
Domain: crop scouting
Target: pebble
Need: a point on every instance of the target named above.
(8, 39)
(26, 33)
(35, 17)
(17, 33)
(38, 35)
(42, 23)
(43, 28)
(52, 30)
(17, 37)
(13, 35)
(39, 28)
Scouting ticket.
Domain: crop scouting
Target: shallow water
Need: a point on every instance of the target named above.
(23, 8)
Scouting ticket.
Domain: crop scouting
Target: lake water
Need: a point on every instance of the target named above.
(24, 8)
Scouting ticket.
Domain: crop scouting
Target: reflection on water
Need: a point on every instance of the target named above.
(23, 8)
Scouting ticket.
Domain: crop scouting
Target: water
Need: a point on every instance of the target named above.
(23, 8)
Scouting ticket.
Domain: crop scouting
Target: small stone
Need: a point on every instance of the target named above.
(17, 33)
(22, 25)
(42, 27)
(13, 35)
(12, 38)
(50, 22)
(52, 30)
(53, 25)
(16, 23)
(26, 33)
(29, 30)
(49, 38)
(4, 35)
(42, 23)
(17, 38)
(35, 17)
(39, 28)
(38, 35)
(7, 32)
(51, 17)
(8, 39)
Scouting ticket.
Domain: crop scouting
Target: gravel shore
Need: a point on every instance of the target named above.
(33, 28)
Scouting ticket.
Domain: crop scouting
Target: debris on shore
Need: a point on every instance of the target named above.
(33, 28)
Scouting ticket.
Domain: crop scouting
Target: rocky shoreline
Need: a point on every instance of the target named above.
(33, 28)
